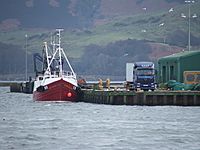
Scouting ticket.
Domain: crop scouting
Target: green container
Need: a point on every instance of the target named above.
(172, 67)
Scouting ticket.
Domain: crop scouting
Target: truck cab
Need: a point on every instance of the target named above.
(141, 75)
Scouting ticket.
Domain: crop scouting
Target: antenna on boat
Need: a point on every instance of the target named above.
(53, 43)
(51, 38)
(59, 50)
(59, 36)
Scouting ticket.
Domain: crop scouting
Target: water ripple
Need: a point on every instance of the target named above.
(26, 124)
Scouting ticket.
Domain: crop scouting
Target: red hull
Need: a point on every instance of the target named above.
(57, 91)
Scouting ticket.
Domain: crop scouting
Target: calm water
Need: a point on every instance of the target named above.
(29, 125)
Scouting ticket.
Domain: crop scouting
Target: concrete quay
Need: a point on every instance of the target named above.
(156, 98)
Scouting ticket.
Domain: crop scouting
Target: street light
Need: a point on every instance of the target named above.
(189, 17)
(161, 25)
(26, 59)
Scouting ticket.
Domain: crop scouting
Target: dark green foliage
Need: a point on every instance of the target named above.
(112, 58)
(41, 37)
(154, 19)
(139, 1)
(142, 21)
(120, 24)
(169, 1)
(42, 14)
(179, 1)
(180, 38)
(87, 8)
(12, 59)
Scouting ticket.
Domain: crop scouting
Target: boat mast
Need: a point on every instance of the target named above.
(47, 57)
(59, 51)
(53, 43)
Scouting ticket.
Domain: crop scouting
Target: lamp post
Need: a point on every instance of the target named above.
(162, 25)
(26, 60)
(189, 18)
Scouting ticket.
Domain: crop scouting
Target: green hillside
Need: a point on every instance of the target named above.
(146, 26)
(141, 26)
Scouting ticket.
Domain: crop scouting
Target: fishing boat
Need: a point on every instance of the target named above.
(56, 81)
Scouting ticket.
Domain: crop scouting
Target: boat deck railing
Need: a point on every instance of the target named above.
(55, 74)
(69, 74)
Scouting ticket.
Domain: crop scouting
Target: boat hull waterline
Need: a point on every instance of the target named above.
(60, 90)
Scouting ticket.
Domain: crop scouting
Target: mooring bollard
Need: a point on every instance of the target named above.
(108, 84)
(100, 84)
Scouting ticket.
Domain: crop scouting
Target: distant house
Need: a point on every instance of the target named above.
(172, 67)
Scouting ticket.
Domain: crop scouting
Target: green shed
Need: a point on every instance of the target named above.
(173, 66)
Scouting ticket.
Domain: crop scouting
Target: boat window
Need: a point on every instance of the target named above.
(40, 78)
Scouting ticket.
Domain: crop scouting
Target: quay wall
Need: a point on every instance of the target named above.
(157, 98)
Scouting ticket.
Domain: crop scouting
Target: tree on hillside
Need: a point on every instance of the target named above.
(112, 58)
(12, 60)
